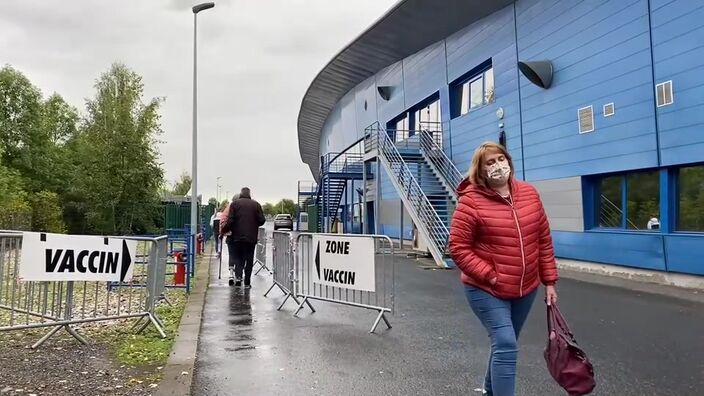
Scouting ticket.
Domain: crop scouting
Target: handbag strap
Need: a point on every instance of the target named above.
(558, 321)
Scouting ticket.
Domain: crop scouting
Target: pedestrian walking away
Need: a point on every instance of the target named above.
(244, 218)
(215, 221)
(500, 240)
(224, 233)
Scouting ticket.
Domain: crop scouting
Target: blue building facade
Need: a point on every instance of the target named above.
(615, 144)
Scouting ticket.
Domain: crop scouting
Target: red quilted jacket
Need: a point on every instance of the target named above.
(490, 237)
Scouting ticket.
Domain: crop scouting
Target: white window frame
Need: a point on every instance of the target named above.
(664, 84)
(613, 112)
(579, 124)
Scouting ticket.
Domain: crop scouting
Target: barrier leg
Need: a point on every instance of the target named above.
(46, 337)
(300, 305)
(378, 319)
(75, 335)
(137, 322)
(156, 322)
(272, 287)
(283, 302)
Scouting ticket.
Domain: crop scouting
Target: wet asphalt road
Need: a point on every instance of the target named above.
(640, 344)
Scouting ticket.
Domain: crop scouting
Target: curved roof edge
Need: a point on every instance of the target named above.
(408, 27)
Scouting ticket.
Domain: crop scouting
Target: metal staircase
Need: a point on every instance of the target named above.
(336, 170)
(418, 170)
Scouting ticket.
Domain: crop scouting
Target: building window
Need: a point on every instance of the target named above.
(663, 93)
(691, 199)
(630, 201)
(428, 117)
(643, 200)
(610, 197)
(473, 90)
(398, 128)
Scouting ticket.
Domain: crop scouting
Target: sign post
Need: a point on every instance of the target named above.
(58, 257)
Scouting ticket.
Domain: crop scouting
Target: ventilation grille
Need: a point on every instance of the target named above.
(664, 93)
(609, 109)
(586, 119)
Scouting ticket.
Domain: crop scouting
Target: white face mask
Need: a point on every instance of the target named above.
(499, 171)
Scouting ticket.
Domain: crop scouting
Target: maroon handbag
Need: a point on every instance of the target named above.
(567, 362)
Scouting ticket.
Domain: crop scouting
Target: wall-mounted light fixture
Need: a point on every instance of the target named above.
(537, 72)
(384, 91)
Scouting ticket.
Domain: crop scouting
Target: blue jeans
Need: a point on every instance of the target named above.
(503, 319)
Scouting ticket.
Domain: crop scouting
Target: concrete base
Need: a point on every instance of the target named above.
(635, 274)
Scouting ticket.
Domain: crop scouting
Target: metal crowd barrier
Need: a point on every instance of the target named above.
(295, 265)
(260, 253)
(61, 304)
(282, 266)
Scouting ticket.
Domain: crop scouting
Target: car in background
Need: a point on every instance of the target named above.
(283, 221)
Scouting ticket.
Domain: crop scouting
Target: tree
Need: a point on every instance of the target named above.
(118, 175)
(47, 215)
(33, 134)
(285, 206)
(183, 185)
(15, 212)
(213, 202)
(268, 209)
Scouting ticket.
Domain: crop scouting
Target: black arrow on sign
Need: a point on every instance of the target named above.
(317, 260)
(126, 261)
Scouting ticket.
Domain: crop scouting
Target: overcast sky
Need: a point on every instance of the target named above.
(256, 60)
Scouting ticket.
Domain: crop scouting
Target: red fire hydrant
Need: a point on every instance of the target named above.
(180, 274)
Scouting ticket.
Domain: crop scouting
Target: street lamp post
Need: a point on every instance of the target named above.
(194, 183)
(217, 189)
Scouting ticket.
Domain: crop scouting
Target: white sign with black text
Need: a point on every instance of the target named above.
(346, 262)
(58, 257)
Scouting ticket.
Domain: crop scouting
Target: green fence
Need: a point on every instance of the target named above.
(178, 216)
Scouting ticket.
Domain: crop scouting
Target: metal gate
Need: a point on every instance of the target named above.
(380, 300)
(61, 304)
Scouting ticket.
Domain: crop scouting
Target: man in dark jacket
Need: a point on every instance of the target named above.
(243, 221)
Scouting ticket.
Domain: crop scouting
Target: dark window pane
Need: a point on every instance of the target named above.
(691, 199)
(643, 200)
(610, 212)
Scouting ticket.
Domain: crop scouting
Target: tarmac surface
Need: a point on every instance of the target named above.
(640, 343)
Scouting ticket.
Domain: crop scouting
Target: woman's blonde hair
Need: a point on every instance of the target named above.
(477, 174)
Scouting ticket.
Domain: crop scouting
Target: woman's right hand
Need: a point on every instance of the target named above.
(492, 281)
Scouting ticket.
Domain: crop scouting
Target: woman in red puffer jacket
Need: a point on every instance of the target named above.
(500, 240)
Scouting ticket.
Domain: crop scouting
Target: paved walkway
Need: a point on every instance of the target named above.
(641, 344)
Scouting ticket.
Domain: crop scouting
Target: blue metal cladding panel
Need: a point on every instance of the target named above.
(642, 250)
(424, 73)
(684, 253)
(366, 115)
(492, 37)
(392, 77)
(678, 53)
(348, 130)
(600, 52)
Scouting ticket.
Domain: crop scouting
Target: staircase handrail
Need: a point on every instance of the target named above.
(437, 231)
(444, 165)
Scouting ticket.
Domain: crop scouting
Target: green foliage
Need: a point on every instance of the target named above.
(283, 206)
(15, 211)
(117, 167)
(99, 176)
(46, 212)
(182, 186)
